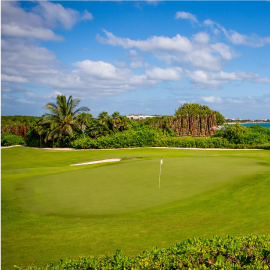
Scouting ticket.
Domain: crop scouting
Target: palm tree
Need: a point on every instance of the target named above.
(40, 130)
(103, 118)
(62, 118)
(116, 120)
(83, 119)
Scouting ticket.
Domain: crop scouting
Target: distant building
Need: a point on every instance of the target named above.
(138, 116)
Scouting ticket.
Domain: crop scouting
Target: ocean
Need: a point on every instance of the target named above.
(267, 125)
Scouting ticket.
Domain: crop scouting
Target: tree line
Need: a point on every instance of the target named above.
(65, 122)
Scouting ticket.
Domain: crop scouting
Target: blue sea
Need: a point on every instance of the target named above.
(266, 125)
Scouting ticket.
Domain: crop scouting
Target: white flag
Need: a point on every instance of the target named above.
(161, 161)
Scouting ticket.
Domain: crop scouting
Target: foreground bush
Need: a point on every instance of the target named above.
(252, 252)
(8, 139)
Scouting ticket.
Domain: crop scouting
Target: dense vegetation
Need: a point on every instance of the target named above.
(18, 120)
(8, 139)
(252, 252)
(66, 126)
(231, 136)
(17, 124)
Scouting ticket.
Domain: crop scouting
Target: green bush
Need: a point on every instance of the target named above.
(138, 137)
(251, 252)
(151, 137)
(8, 139)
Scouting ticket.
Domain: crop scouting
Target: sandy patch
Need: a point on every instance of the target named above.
(98, 161)
(10, 146)
(218, 149)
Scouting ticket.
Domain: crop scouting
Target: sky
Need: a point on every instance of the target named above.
(136, 57)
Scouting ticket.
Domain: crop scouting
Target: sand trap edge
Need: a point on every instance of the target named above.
(98, 161)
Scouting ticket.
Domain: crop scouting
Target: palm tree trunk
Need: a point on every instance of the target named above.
(53, 143)
(39, 141)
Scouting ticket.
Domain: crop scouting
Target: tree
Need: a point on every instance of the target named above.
(220, 118)
(116, 120)
(83, 119)
(40, 130)
(62, 119)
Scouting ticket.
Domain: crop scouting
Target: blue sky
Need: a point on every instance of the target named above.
(137, 57)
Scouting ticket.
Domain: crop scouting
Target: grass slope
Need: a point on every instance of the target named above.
(51, 210)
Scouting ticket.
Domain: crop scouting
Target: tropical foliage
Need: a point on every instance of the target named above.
(8, 139)
(196, 110)
(62, 117)
(251, 252)
(68, 126)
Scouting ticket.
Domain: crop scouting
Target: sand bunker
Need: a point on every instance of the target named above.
(98, 161)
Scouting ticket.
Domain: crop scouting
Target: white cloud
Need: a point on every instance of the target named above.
(197, 53)
(120, 64)
(29, 31)
(201, 37)
(185, 15)
(212, 99)
(204, 79)
(237, 38)
(56, 13)
(138, 64)
(38, 22)
(231, 100)
(25, 101)
(17, 79)
(177, 43)
(168, 74)
(86, 16)
(182, 101)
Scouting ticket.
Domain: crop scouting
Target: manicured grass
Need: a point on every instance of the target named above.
(51, 210)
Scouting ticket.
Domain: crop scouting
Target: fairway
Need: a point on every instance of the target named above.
(51, 210)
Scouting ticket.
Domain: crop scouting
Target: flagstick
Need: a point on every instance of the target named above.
(159, 175)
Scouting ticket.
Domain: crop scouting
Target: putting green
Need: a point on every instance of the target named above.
(130, 185)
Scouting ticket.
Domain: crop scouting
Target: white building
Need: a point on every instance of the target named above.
(138, 116)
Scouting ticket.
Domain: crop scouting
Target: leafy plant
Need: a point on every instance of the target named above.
(8, 139)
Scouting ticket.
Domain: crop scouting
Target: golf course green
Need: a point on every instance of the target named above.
(51, 210)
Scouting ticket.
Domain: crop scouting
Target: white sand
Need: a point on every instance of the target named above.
(11, 146)
(98, 161)
(182, 148)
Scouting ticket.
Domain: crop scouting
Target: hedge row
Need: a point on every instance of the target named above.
(8, 139)
(151, 137)
(251, 252)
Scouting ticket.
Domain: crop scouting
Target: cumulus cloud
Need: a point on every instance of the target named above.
(203, 79)
(139, 64)
(212, 99)
(185, 15)
(29, 31)
(23, 61)
(177, 43)
(168, 74)
(196, 52)
(38, 22)
(237, 38)
(86, 16)
(201, 37)
(18, 79)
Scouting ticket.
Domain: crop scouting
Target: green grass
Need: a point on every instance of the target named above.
(51, 210)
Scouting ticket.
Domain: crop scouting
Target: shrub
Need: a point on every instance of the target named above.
(251, 252)
(8, 139)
